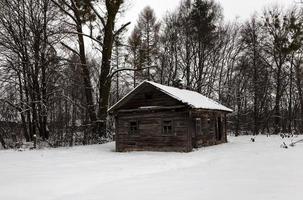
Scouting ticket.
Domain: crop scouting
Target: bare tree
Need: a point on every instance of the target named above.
(28, 35)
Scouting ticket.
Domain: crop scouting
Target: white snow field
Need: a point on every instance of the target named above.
(238, 170)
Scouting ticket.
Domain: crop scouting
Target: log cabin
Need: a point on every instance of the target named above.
(154, 117)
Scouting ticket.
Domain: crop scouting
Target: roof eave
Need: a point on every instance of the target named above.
(209, 109)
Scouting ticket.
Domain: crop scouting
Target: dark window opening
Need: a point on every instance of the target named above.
(133, 128)
(202, 125)
(219, 129)
(148, 96)
(167, 127)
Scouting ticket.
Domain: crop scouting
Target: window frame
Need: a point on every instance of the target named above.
(131, 131)
(205, 125)
(202, 125)
(172, 133)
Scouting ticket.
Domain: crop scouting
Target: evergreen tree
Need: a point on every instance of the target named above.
(205, 18)
(149, 31)
(135, 58)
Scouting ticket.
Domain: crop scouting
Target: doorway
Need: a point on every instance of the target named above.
(219, 129)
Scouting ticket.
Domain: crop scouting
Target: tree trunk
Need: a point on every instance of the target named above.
(188, 83)
(255, 85)
(90, 105)
(23, 120)
(105, 79)
(105, 82)
(300, 92)
(290, 99)
(277, 115)
(2, 139)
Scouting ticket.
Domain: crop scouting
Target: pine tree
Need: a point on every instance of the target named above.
(205, 17)
(134, 45)
(149, 31)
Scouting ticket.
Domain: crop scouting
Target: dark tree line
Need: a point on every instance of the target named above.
(63, 62)
(253, 67)
(45, 64)
(28, 57)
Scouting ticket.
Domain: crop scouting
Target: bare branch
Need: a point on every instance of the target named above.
(97, 14)
(65, 11)
(86, 35)
(121, 29)
(111, 75)
(69, 48)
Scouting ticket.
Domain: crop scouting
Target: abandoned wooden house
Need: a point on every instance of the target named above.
(161, 118)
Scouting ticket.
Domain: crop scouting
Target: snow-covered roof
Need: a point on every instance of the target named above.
(191, 98)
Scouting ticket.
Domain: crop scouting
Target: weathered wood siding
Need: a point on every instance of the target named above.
(149, 96)
(150, 135)
(149, 107)
(209, 137)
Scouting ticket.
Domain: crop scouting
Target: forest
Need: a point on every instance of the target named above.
(63, 63)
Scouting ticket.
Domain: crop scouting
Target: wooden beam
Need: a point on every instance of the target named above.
(151, 108)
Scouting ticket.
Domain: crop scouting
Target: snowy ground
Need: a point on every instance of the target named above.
(234, 171)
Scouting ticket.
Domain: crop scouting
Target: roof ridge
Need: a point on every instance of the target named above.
(189, 97)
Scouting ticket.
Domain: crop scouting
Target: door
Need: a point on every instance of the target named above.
(196, 132)
(219, 128)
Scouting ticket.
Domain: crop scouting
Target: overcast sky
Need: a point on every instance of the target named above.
(233, 9)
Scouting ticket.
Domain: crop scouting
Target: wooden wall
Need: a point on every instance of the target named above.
(209, 137)
(150, 136)
(149, 96)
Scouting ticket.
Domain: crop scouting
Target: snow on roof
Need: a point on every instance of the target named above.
(191, 98)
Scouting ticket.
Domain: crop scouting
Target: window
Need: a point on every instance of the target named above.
(133, 128)
(202, 125)
(148, 96)
(167, 127)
